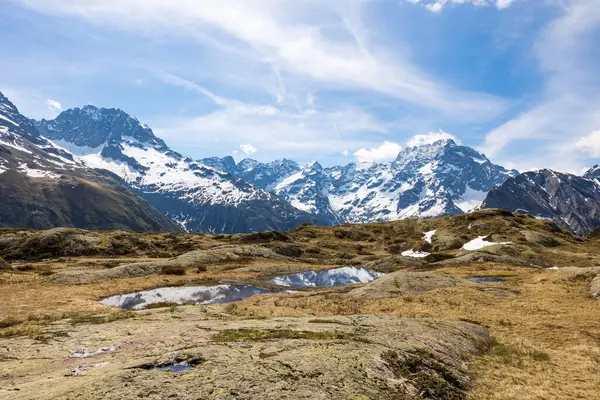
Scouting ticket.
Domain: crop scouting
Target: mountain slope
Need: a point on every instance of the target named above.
(571, 201)
(307, 190)
(44, 186)
(199, 197)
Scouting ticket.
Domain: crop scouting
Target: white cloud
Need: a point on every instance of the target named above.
(54, 105)
(590, 144)
(429, 138)
(345, 153)
(503, 3)
(248, 149)
(288, 36)
(437, 6)
(386, 152)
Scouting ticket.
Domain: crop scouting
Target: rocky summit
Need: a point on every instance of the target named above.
(571, 201)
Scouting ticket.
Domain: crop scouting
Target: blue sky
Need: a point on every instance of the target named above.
(335, 80)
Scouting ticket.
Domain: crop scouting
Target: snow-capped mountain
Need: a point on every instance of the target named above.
(263, 175)
(426, 181)
(308, 190)
(199, 197)
(44, 186)
(571, 201)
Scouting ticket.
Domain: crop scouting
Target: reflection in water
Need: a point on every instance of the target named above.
(488, 278)
(185, 294)
(333, 277)
(176, 368)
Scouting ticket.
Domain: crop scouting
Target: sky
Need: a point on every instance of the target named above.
(335, 81)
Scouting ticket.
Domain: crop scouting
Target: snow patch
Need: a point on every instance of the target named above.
(470, 200)
(480, 243)
(415, 254)
(37, 173)
(8, 119)
(428, 235)
(77, 150)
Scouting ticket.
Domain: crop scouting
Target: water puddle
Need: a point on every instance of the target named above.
(185, 295)
(176, 366)
(496, 278)
(326, 278)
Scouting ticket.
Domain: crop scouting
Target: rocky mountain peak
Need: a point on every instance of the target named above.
(226, 164)
(93, 127)
(312, 167)
(593, 173)
(571, 201)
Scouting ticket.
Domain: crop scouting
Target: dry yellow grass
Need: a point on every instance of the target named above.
(547, 336)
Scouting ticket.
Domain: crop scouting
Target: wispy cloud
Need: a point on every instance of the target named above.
(33, 103)
(565, 51)
(284, 34)
(437, 6)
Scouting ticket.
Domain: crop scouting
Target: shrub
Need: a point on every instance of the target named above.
(269, 236)
(351, 234)
(172, 270)
(435, 257)
(287, 250)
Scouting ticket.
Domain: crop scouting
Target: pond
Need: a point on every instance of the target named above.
(185, 295)
(326, 278)
(489, 278)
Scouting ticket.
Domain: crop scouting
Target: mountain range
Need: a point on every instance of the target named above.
(101, 168)
(441, 178)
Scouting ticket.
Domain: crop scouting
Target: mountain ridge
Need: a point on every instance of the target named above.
(571, 201)
(197, 196)
(421, 182)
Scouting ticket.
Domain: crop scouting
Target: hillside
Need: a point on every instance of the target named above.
(43, 186)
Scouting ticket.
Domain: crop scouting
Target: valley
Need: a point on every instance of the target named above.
(502, 306)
